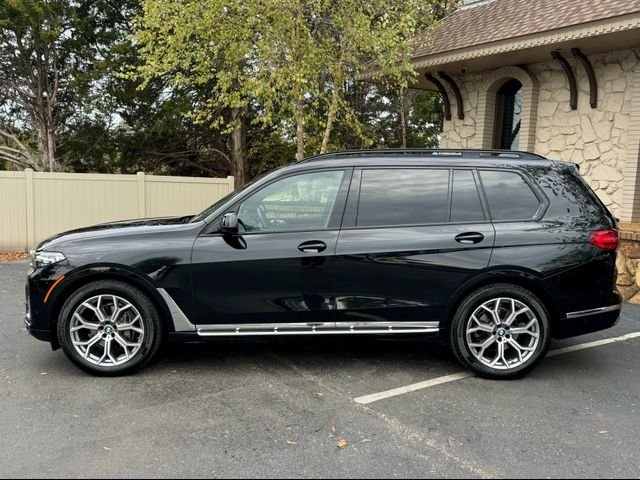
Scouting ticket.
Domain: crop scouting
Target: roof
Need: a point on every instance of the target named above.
(509, 19)
(445, 158)
(440, 153)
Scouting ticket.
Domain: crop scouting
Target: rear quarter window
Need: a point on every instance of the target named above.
(509, 196)
(568, 194)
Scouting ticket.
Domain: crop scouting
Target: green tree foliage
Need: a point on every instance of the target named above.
(206, 87)
(292, 61)
(50, 51)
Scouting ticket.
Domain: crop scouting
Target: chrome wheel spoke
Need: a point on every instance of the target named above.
(516, 314)
(499, 356)
(126, 344)
(492, 312)
(483, 328)
(480, 327)
(516, 347)
(483, 346)
(97, 311)
(89, 343)
(106, 349)
(84, 325)
(530, 329)
(119, 310)
(130, 325)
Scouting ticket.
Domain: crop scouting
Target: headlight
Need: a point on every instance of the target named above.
(42, 259)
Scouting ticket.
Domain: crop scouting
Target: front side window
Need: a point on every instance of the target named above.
(403, 197)
(509, 196)
(300, 202)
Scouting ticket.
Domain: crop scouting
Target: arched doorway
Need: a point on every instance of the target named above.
(508, 116)
(508, 109)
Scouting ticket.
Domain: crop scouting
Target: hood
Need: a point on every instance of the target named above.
(114, 229)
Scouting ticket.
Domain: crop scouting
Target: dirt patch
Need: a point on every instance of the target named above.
(12, 257)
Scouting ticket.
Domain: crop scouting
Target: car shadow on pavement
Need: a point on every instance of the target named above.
(313, 353)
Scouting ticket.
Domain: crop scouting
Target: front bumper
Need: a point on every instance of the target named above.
(589, 321)
(37, 317)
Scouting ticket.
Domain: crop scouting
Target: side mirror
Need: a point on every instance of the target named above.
(229, 224)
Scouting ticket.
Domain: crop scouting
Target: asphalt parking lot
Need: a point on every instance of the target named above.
(280, 410)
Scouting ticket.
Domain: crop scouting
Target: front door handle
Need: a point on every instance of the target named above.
(313, 246)
(470, 238)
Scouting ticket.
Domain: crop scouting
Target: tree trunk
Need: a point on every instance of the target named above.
(240, 165)
(51, 150)
(299, 133)
(46, 148)
(403, 120)
(331, 116)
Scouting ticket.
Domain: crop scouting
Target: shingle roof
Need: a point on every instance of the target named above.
(506, 19)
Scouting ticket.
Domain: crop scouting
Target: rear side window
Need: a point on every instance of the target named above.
(409, 196)
(569, 195)
(509, 196)
(465, 202)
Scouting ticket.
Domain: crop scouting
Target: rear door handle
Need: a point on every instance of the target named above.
(470, 238)
(313, 246)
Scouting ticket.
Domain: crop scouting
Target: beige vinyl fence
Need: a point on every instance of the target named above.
(34, 205)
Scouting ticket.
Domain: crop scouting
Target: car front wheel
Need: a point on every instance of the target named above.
(501, 332)
(109, 328)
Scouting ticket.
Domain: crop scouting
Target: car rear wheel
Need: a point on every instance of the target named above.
(109, 328)
(501, 332)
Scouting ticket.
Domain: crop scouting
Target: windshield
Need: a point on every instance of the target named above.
(223, 200)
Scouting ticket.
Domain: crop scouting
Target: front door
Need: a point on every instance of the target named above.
(410, 240)
(280, 269)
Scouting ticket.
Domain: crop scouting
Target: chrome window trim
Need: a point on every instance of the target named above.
(594, 311)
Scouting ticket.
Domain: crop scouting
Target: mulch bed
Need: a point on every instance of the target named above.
(12, 257)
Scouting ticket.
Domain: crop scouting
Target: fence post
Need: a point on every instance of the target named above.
(31, 225)
(231, 181)
(142, 195)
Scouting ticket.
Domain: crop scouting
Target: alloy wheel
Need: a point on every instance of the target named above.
(107, 330)
(503, 333)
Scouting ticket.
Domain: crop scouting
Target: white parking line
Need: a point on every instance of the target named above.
(375, 397)
(599, 343)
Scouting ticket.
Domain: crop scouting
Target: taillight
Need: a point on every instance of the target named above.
(605, 239)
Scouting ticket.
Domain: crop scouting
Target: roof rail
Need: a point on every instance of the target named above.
(428, 152)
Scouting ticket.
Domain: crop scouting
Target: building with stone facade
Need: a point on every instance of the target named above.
(560, 78)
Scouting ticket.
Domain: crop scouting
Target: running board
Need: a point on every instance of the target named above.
(341, 328)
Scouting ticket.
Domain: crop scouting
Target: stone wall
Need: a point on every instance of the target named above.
(596, 139)
(628, 264)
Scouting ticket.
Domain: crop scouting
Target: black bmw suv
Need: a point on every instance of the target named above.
(496, 252)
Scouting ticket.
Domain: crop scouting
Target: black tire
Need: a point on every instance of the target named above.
(458, 331)
(150, 318)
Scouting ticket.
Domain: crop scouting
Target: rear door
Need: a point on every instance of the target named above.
(411, 236)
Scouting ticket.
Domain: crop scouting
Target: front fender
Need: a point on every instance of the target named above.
(82, 276)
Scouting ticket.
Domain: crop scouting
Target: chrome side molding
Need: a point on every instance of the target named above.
(182, 324)
(594, 311)
(340, 328)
